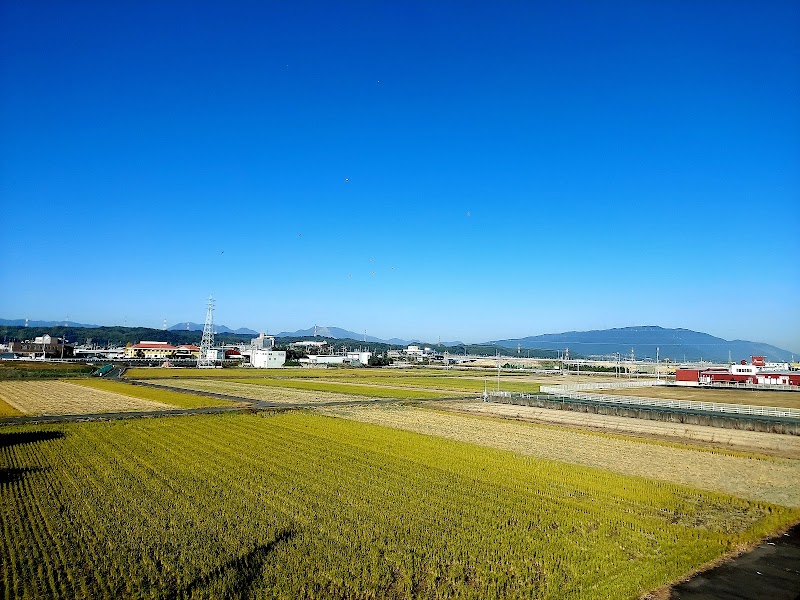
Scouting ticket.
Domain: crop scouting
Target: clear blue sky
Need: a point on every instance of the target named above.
(416, 169)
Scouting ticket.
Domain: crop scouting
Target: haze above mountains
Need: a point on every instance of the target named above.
(643, 341)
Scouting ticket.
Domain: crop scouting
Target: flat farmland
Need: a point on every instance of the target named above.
(753, 397)
(382, 389)
(174, 399)
(61, 398)
(772, 479)
(272, 387)
(786, 446)
(305, 506)
(282, 373)
(266, 393)
(422, 377)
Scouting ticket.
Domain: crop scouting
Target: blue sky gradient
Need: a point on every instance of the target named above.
(455, 170)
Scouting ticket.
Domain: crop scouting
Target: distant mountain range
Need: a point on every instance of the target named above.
(29, 323)
(675, 344)
(189, 326)
(338, 334)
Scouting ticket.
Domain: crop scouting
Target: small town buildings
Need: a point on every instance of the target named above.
(43, 346)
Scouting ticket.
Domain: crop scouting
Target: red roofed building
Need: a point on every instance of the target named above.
(743, 373)
(161, 350)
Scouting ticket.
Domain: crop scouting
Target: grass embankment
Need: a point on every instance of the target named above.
(173, 398)
(299, 505)
(19, 369)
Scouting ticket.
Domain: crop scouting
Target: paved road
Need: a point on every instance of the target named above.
(770, 571)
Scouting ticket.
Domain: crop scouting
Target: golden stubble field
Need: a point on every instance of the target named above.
(772, 479)
(787, 446)
(62, 398)
(279, 395)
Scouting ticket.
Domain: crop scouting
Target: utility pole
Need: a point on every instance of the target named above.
(498, 370)
(658, 373)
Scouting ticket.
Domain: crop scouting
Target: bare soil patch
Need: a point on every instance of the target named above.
(774, 480)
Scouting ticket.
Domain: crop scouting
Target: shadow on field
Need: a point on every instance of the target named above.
(237, 578)
(28, 437)
(15, 474)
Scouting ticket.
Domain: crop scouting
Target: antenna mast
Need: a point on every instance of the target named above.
(205, 361)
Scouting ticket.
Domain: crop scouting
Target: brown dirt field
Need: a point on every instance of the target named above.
(256, 392)
(62, 398)
(752, 397)
(773, 479)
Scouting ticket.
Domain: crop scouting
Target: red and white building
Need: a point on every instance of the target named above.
(161, 350)
(758, 372)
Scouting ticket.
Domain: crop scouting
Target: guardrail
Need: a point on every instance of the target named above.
(603, 385)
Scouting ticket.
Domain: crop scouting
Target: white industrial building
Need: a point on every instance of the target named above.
(267, 359)
(348, 358)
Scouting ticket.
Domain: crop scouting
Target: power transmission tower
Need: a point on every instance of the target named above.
(207, 343)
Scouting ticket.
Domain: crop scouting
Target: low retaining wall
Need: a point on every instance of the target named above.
(724, 420)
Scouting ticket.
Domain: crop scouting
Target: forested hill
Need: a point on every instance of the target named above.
(675, 344)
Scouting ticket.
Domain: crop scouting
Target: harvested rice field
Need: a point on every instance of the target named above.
(280, 395)
(787, 446)
(769, 479)
(272, 390)
(61, 398)
(174, 399)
